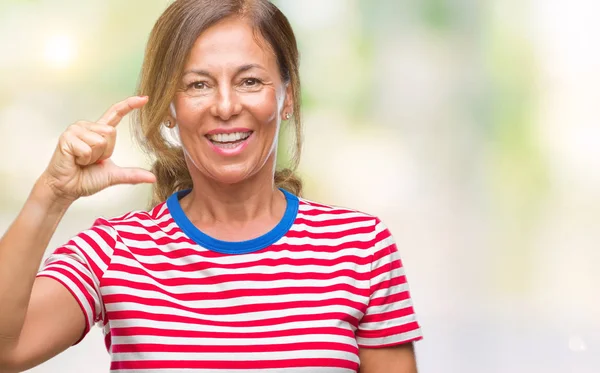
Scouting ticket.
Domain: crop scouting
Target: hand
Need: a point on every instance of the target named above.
(81, 164)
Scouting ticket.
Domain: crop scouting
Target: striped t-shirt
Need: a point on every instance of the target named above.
(301, 298)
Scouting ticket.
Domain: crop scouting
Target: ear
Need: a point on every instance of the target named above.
(288, 103)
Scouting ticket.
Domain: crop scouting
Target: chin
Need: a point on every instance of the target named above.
(230, 176)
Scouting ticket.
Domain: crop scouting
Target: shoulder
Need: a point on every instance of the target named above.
(317, 213)
(136, 217)
(310, 207)
(135, 221)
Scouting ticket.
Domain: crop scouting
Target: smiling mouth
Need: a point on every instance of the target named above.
(228, 140)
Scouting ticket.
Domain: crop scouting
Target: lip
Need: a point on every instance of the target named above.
(228, 130)
(233, 151)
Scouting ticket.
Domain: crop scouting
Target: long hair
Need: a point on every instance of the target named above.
(168, 48)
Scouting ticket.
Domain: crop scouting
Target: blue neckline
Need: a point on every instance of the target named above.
(228, 247)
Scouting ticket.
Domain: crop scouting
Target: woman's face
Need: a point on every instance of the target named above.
(230, 103)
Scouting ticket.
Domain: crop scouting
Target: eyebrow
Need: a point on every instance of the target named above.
(240, 69)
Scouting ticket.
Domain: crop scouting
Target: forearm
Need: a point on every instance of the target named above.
(21, 251)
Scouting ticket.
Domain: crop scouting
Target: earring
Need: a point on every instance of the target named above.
(288, 116)
(167, 123)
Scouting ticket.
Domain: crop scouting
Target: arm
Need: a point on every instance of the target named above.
(397, 359)
(39, 317)
(29, 304)
(389, 326)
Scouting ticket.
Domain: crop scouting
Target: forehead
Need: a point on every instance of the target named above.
(231, 42)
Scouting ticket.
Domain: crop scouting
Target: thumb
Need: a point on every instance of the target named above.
(130, 175)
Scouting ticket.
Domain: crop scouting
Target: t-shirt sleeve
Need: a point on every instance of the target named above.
(390, 318)
(79, 266)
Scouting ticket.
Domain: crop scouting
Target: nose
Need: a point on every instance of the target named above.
(226, 103)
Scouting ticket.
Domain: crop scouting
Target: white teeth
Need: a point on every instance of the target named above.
(229, 137)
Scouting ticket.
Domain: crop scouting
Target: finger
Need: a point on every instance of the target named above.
(102, 129)
(77, 148)
(113, 116)
(96, 142)
(130, 175)
(107, 132)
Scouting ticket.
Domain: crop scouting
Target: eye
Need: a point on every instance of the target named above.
(250, 82)
(198, 85)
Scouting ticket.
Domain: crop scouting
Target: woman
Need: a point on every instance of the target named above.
(229, 271)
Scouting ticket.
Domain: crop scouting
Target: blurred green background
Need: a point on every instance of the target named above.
(470, 127)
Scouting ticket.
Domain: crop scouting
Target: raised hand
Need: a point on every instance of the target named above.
(81, 164)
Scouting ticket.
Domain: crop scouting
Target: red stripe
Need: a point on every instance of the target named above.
(195, 250)
(329, 211)
(389, 299)
(398, 343)
(387, 316)
(266, 262)
(388, 332)
(249, 348)
(340, 234)
(166, 238)
(386, 268)
(124, 315)
(66, 262)
(330, 222)
(265, 277)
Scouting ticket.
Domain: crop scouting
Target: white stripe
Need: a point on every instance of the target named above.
(197, 257)
(383, 244)
(144, 225)
(350, 238)
(301, 227)
(237, 301)
(251, 270)
(247, 317)
(297, 241)
(386, 276)
(84, 247)
(237, 284)
(398, 338)
(146, 221)
(386, 292)
(374, 326)
(380, 227)
(194, 341)
(238, 356)
(325, 216)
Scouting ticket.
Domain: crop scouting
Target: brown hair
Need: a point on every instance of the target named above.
(169, 45)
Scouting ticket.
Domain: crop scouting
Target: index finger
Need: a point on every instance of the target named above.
(113, 116)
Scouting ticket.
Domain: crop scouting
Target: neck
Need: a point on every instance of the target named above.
(255, 198)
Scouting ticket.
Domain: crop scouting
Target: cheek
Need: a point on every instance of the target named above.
(187, 108)
(264, 106)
